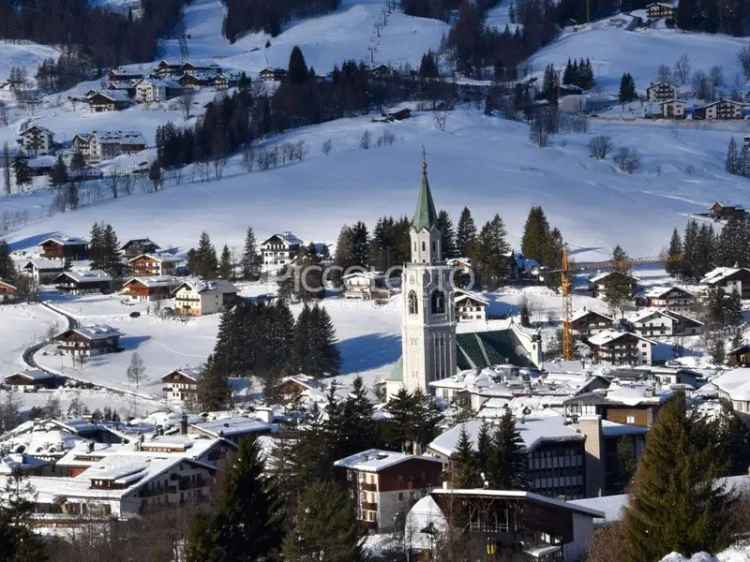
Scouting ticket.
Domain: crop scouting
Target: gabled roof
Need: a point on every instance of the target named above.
(34, 375)
(161, 258)
(187, 372)
(719, 274)
(602, 276)
(94, 332)
(375, 460)
(83, 277)
(153, 282)
(661, 292)
(64, 240)
(608, 336)
(425, 216)
(8, 285)
(201, 286)
(462, 295)
(584, 313)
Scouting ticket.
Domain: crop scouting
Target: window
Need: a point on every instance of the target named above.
(438, 302)
(413, 306)
(630, 419)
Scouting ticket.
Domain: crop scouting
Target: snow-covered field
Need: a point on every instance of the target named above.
(482, 162)
(613, 51)
(23, 54)
(349, 33)
(22, 325)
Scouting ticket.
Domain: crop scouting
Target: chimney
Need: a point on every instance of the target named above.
(183, 424)
(591, 428)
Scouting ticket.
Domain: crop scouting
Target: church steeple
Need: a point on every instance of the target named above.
(425, 215)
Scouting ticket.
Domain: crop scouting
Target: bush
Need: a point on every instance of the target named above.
(600, 146)
(628, 160)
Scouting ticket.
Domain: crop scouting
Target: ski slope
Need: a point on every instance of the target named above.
(26, 55)
(482, 162)
(326, 41)
(613, 51)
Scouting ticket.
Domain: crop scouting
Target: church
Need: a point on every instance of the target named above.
(431, 349)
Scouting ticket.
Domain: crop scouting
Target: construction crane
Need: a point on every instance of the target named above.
(567, 307)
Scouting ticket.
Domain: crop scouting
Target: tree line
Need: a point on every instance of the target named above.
(243, 16)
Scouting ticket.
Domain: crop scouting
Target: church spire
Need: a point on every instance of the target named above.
(425, 216)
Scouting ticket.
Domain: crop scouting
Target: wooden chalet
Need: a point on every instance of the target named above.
(641, 412)
(672, 298)
(665, 323)
(108, 100)
(729, 279)
(722, 212)
(272, 74)
(181, 385)
(589, 322)
(62, 247)
(195, 297)
(8, 292)
(149, 289)
(43, 270)
(470, 306)
(138, 246)
(740, 356)
(145, 265)
(600, 282)
(501, 525)
(659, 10)
(190, 82)
(77, 283)
(33, 379)
(291, 388)
(87, 341)
(621, 348)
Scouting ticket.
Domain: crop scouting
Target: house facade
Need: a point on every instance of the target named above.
(589, 322)
(105, 145)
(600, 282)
(150, 289)
(720, 110)
(63, 247)
(198, 298)
(36, 141)
(278, 250)
(181, 385)
(621, 348)
(668, 109)
(729, 279)
(661, 91)
(145, 265)
(108, 100)
(87, 341)
(658, 10)
(672, 298)
(78, 283)
(368, 285)
(33, 379)
(138, 246)
(43, 270)
(664, 323)
(8, 292)
(386, 484)
(470, 306)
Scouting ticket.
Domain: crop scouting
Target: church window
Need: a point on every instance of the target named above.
(438, 302)
(424, 246)
(413, 306)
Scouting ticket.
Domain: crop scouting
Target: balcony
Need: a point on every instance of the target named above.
(369, 506)
(368, 487)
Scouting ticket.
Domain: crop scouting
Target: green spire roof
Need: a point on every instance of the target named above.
(425, 216)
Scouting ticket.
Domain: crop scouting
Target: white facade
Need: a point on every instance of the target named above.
(150, 91)
(36, 141)
(197, 298)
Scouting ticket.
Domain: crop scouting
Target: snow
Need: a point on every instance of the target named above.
(613, 51)
(21, 325)
(326, 41)
(23, 54)
(375, 460)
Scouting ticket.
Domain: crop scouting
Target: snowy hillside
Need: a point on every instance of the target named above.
(326, 41)
(613, 51)
(25, 55)
(485, 163)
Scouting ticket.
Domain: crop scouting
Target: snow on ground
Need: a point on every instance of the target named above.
(369, 339)
(613, 51)
(22, 325)
(482, 162)
(499, 17)
(22, 54)
(92, 399)
(326, 41)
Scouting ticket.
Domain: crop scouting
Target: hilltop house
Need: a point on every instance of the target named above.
(386, 484)
(80, 282)
(36, 141)
(107, 100)
(278, 250)
(721, 211)
(196, 297)
(621, 348)
(64, 247)
(86, 341)
(661, 91)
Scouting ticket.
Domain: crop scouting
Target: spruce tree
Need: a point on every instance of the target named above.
(301, 342)
(466, 235)
(326, 527)
(357, 430)
(734, 439)
(250, 259)
(111, 262)
(507, 464)
(327, 359)
(676, 505)
(464, 462)
(484, 449)
(360, 241)
(620, 260)
(203, 261)
(536, 233)
(7, 268)
(59, 173)
(674, 254)
(732, 162)
(96, 247)
(247, 525)
(447, 236)
(213, 391)
(298, 72)
(492, 253)
(226, 269)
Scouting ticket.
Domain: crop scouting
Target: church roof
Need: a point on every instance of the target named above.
(425, 215)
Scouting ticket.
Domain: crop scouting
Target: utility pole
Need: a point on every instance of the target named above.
(567, 304)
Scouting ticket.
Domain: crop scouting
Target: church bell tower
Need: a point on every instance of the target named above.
(428, 320)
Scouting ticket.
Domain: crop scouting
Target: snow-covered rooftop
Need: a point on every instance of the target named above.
(375, 460)
(735, 383)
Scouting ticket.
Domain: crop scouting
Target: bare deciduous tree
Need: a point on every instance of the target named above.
(681, 71)
(600, 146)
(440, 118)
(628, 160)
(185, 102)
(114, 179)
(744, 58)
(327, 147)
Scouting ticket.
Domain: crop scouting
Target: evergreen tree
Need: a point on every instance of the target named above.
(203, 261)
(568, 75)
(360, 241)
(298, 71)
(492, 253)
(464, 461)
(356, 428)
(484, 449)
(250, 258)
(674, 254)
(213, 391)
(111, 262)
(466, 235)
(732, 162)
(620, 260)
(627, 89)
(734, 439)
(326, 528)
(447, 235)
(7, 268)
(96, 247)
(325, 357)
(428, 67)
(247, 524)
(301, 342)
(22, 171)
(675, 502)
(226, 269)
(18, 541)
(536, 234)
(59, 174)
(507, 464)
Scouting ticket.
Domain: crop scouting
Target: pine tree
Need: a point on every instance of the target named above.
(7, 268)
(96, 247)
(447, 236)
(111, 252)
(464, 461)
(507, 462)
(568, 77)
(356, 428)
(466, 235)
(247, 524)
(18, 541)
(226, 269)
(536, 233)
(360, 241)
(298, 72)
(675, 502)
(620, 260)
(734, 439)
(627, 89)
(732, 162)
(492, 253)
(327, 360)
(59, 173)
(401, 409)
(22, 171)
(203, 261)
(213, 392)
(326, 528)
(484, 449)
(301, 342)
(674, 254)
(250, 259)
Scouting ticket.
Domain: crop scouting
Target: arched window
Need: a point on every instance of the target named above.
(413, 305)
(438, 302)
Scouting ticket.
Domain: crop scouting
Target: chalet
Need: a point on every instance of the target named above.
(86, 341)
(181, 385)
(33, 379)
(667, 109)
(149, 289)
(82, 145)
(723, 212)
(672, 298)
(36, 140)
(721, 110)
(500, 525)
(8, 292)
(43, 270)
(145, 265)
(729, 279)
(386, 484)
(621, 348)
(64, 247)
(272, 74)
(150, 90)
(106, 145)
(108, 100)
(219, 82)
(589, 322)
(190, 82)
(138, 246)
(548, 441)
(661, 91)
(470, 306)
(78, 282)
(600, 282)
(197, 297)
(368, 285)
(278, 250)
(664, 323)
(291, 388)
(734, 386)
(659, 10)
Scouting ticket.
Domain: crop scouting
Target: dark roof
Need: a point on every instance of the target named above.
(484, 349)
(425, 215)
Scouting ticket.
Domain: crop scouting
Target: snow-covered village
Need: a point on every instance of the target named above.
(374, 280)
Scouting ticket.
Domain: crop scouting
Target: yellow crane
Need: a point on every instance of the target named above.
(567, 307)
